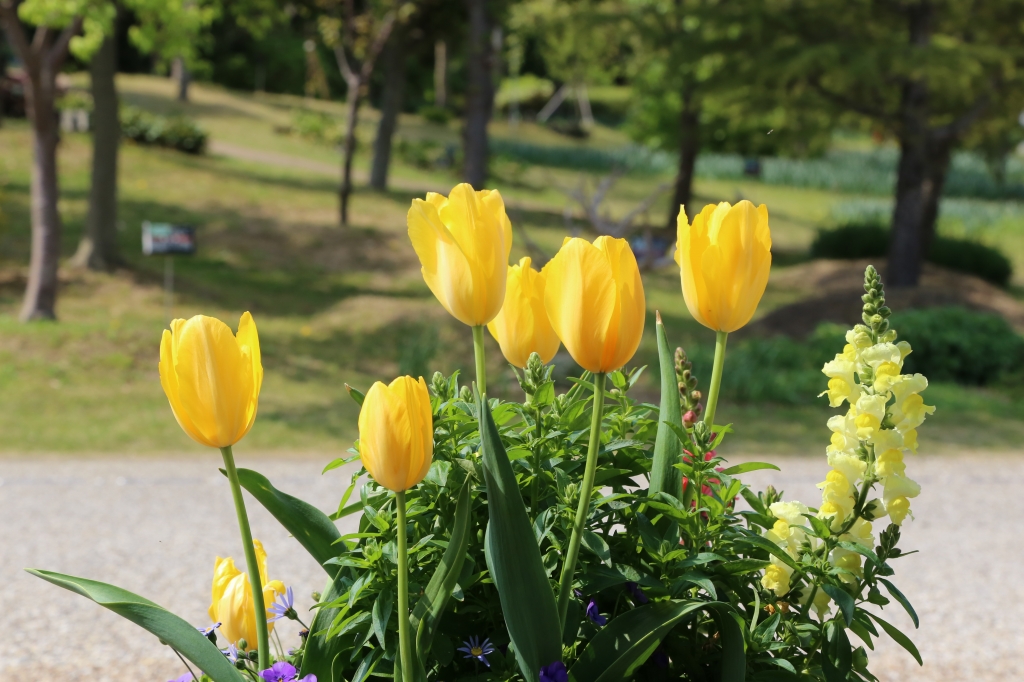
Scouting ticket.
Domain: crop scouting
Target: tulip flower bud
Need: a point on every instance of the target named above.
(522, 326)
(463, 242)
(212, 377)
(396, 433)
(595, 302)
(232, 604)
(724, 259)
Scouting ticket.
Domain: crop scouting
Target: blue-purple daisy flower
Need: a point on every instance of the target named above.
(474, 648)
(594, 614)
(187, 677)
(554, 672)
(209, 632)
(283, 606)
(282, 671)
(231, 652)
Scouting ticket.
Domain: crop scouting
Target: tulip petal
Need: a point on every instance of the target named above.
(396, 433)
(444, 266)
(522, 327)
(169, 382)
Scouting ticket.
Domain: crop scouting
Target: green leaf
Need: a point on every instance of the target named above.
(902, 600)
(862, 550)
(381, 614)
(836, 654)
(322, 651)
(821, 528)
(748, 466)
(843, 598)
(742, 566)
(426, 615)
(629, 639)
(169, 628)
(596, 544)
(768, 546)
(514, 560)
(311, 527)
(668, 448)
(899, 637)
(356, 394)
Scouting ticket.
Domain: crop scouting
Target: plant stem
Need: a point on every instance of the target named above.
(716, 378)
(535, 491)
(478, 354)
(569, 567)
(262, 636)
(404, 643)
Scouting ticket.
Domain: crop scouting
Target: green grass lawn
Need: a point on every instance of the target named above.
(332, 305)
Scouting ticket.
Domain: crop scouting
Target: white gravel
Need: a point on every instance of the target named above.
(154, 525)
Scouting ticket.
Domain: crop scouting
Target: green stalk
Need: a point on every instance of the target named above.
(535, 491)
(569, 567)
(404, 636)
(262, 636)
(716, 377)
(478, 354)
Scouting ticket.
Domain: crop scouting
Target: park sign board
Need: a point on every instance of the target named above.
(164, 239)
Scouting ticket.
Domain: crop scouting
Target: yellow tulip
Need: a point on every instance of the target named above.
(232, 604)
(724, 259)
(212, 377)
(522, 326)
(463, 241)
(396, 433)
(595, 301)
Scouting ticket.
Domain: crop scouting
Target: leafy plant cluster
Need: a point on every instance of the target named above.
(871, 240)
(175, 132)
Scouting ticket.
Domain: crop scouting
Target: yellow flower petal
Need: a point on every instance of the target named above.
(522, 327)
(396, 433)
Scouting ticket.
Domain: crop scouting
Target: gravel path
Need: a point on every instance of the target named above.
(154, 525)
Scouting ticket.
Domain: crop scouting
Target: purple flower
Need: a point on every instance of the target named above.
(638, 595)
(284, 606)
(187, 677)
(208, 630)
(554, 672)
(282, 671)
(231, 652)
(594, 615)
(474, 648)
(660, 658)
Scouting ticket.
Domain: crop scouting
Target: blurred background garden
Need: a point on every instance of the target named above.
(591, 117)
(292, 137)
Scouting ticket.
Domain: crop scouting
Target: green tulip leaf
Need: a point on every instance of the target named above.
(322, 651)
(514, 560)
(628, 641)
(311, 527)
(668, 448)
(426, 615)
(176, 632)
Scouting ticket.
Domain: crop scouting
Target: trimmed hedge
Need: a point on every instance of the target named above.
(867, 240)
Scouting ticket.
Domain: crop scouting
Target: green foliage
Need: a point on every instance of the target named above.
(955, 344)
(176, 132)
(871, 240)
(435, 114)
(317, 126)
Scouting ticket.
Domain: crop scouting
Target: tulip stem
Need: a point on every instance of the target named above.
(478, 354)
(259, 606)
(404, 642)
(716, 378)
(569, 566)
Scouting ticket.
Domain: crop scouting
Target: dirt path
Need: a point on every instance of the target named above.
(154, 525)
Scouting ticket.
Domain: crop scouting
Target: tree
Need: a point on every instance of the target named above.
(479, 91)
(390, 107)
(357, 35)
(57, 24)
(925, 71)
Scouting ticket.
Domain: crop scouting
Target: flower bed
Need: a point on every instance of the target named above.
(582, 535)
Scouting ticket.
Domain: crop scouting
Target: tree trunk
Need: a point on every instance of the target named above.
(41, 292)
(390, 108)
(98, 248)
(479, 95)
(181, 77)
(440, 74)
(689, 146)
(349, 146)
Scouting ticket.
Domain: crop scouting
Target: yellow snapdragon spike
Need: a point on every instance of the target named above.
(898, 508)
(890, 462)
(595, 301)
(776, 577)
(212, 378)
(463, 243)
(522, 327)
(232, 602)
(886, 374)
(396, 433)
(724, 258)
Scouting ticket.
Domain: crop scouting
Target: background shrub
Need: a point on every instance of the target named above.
(176, 132)
(870, 240)
(960, 345)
